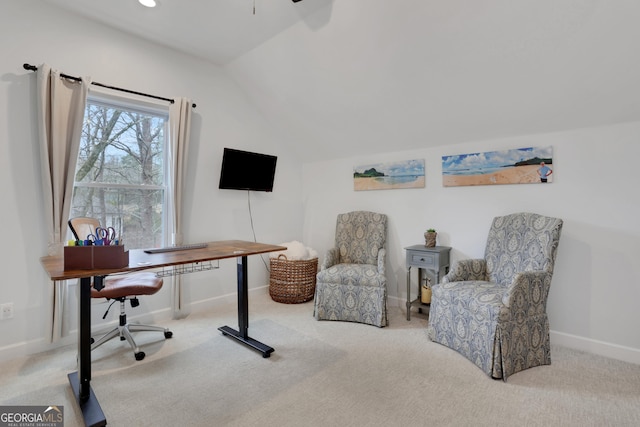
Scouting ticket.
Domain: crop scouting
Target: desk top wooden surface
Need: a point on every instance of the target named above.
(140, 260)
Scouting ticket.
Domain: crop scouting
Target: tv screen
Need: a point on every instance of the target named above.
(243, 170)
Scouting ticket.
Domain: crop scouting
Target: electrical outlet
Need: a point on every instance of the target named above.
(6, 311)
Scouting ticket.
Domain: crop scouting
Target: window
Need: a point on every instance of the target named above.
(121, 171)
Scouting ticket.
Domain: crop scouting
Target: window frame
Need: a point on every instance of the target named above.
(108, 98)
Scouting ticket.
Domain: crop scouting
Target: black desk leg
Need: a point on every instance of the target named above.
(242, 334)
(81, 381)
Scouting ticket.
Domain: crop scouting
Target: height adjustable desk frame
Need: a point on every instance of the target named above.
(139, 260)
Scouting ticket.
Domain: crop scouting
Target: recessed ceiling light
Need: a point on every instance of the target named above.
(148, 3)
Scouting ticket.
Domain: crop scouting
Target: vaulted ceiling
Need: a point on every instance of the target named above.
(340, 77)
(216, 30)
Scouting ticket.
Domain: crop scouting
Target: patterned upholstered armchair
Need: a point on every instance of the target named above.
(493, 310)
(351, 284)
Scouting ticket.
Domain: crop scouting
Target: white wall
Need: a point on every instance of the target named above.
(593, 303)
(596, 283)
(35, 33)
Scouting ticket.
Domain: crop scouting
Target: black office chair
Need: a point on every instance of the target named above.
(120, 288)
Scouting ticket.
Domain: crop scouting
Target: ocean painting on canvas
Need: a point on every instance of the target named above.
(515, 166)
(390, 175)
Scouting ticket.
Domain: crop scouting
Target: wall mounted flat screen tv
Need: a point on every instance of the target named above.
(244, 170)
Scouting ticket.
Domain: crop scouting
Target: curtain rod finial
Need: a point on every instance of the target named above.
(29, 67)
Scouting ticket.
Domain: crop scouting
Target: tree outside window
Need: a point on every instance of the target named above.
(120, 174)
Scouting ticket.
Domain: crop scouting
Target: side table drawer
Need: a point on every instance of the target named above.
(422, 260)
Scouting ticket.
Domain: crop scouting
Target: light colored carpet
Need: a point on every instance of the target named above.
(324, 374)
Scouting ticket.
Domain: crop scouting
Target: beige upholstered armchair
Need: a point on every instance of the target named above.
(493, 310)
(351, 284)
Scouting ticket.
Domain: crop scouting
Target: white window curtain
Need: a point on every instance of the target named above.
(61, 105)
(179, 134)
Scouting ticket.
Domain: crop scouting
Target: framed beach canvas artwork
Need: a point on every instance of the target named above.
(515, 166)
(389, 176)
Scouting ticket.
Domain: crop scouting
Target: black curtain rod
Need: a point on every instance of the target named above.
(79, 79)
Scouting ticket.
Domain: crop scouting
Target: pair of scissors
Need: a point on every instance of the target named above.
(92, 239)
(107, 235)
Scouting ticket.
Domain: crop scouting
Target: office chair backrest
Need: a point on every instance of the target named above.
(82, 226)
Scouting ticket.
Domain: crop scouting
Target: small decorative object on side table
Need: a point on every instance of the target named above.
(430, 238)
(435, 262)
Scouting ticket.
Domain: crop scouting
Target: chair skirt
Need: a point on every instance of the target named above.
(352, 293)
(499, 340)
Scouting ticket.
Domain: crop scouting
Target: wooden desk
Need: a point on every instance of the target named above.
(139, 260)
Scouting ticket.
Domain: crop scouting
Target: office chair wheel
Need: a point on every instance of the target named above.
(140, 355)
(168, 334)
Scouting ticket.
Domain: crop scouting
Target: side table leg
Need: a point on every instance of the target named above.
(420, 290)
(409, 293)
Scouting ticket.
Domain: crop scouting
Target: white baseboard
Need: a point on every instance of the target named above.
(601, 348)
(25, 348)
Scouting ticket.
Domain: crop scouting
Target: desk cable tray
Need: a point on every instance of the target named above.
(193, 267)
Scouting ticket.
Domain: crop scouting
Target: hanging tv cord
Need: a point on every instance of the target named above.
(253, 229)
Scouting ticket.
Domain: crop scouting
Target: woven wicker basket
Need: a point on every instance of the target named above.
(292, 281)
